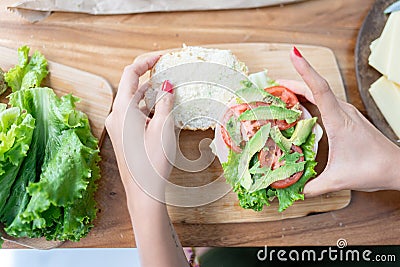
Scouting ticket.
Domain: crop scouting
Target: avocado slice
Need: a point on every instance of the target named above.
(299, 136)
(270, 113)
(302, 131)
(282, 142)
(255, 144)
(281, 173)
(233, 129)
(253, 94)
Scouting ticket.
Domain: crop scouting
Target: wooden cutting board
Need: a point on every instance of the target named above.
(96, 96)
(275, 58)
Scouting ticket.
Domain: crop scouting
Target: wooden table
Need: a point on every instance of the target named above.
(105, 44)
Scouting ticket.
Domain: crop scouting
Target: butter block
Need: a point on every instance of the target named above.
(385, 51)
(386, 95)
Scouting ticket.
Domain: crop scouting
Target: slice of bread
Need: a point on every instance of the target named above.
(198, 104)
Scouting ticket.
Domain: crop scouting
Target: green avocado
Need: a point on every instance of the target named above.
(270, 113)
(256, 143)
(253, 94)
(282, 142)
(302, 131)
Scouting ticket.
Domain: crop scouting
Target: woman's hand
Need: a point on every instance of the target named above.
(148, 144)
(360, 157)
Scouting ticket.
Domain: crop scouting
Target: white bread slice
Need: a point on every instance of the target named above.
(197, 105)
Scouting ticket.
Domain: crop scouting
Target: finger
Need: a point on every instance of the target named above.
(320, 185)
(160, 130)
(324, 98)
(145, 110)
(299, 88)
(165, 102)
(130, 78)
(139, 94)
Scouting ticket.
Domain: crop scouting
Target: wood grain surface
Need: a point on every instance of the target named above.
(366, 75)
(257, 57)
(104, 45)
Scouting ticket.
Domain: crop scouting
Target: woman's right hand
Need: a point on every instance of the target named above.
(360, 157)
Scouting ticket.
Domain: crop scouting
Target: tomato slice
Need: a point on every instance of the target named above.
(270, 159)
(286, 96)
(248, 128)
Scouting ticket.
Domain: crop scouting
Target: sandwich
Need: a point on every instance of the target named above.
(264, 138)
(267, 143)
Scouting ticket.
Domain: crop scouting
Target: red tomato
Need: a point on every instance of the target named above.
(286, 96)
(248, 128)
(270, 159)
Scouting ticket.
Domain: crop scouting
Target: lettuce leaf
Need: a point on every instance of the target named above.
(287, 196)
(63, 163)
(255, 200)
(29, 72)
(260, 198)
(231, 168)
(16, 129)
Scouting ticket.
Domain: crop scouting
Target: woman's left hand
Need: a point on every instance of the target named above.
(151, 141)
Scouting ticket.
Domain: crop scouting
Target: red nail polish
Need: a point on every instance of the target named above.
(297, 52)
(167, 87)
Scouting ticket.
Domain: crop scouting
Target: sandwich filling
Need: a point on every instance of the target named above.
(267, 144)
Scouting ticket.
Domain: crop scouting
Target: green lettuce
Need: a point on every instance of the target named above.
(48, 158)
(287, 196)
(16, 129)
(64, 167)
(29, 72)
(255, 200)
(230, 167)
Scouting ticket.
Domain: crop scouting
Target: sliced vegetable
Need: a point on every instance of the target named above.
(233, 129)
(287, 196)
(284, 94)
(302, 131)
(277, 165)
(270, 113)
(290, 158)
(245, 129)
(252, 147)
(281, 141)
(255, 94)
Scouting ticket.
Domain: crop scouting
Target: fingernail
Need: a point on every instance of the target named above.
(297, 52)
(167, 87)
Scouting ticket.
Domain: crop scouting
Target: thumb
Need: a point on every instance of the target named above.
(324, 98)
(320, 185)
